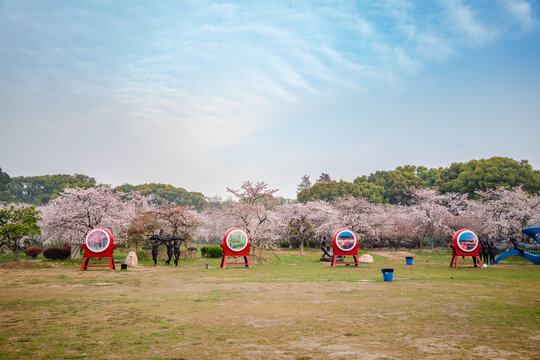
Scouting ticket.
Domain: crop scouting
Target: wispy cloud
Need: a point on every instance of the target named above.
(193, 78)
(522, 13)
(467, 22)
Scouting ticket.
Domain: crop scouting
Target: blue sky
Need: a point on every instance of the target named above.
(206, 95)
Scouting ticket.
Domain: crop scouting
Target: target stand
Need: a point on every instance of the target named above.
(236, 244)
(345, 244)
(98, 244)
(465, 243)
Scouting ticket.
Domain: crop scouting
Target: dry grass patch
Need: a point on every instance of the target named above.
(308, 311)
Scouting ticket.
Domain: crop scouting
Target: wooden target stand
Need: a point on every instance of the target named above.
(235, 243)
(345, 244)
(465, 243)
(98, 244)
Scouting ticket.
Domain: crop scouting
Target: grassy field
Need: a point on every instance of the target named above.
(296, 308)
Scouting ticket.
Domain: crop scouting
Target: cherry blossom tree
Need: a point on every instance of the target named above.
(214, 223)
(402, 225)
(432, 214)
(251, 212)
(76, 211)
(355, 214)
(300, 222)
(507, 211)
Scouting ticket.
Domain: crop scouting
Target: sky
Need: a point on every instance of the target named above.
(205, 95)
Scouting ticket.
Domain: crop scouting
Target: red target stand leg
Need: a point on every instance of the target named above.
(110, 263)
(355, 262)
(84, 264)
(246, 263)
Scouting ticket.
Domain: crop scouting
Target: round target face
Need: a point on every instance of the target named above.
(345, 239)
(236, 239)
(467, 241)
(97, 240)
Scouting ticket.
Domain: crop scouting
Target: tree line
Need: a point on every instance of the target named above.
(398, 186)
(402, 207)
(40, 190)
(384, 186)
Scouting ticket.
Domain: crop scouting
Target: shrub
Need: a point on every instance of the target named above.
(312, 243)
(191, 248)
(57, 253)
(32, 251)
(141, 255)
(215, 251)
(285, 244)
(204, 251)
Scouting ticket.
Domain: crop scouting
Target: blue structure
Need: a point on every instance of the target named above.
(532, 232)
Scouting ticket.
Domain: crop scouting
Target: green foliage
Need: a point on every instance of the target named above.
(483, 174)
(332, 190)
(398, 184)
(285, 244)
(204, 251)
(312, 243)
(39, 190)
(215, 251)
(5, 195)
(428, 176)
(16, 223)
(167, 194)
(191, 248)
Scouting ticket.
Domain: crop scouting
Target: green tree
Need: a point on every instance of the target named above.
(399, 184)
(39, 190)
(333, 190)
(484, 174)
(16, 223)
(167, 194)
(5, 195)
(428, 176)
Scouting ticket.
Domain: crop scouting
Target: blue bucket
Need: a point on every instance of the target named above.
(388, 274)
(408, 260)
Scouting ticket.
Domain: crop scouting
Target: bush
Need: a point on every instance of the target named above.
(215, 251)
(191, 248)
(312, 243)
(285, 244)
(32, 251)
(57, 253)
(204, 251)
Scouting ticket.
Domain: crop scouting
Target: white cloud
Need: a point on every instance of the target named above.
(521, 12)
(466, 21)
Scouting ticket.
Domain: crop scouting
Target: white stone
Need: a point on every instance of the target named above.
(366, 259)
(131, 259)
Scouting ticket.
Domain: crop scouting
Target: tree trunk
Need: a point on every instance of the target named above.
(301, 247)
(16, 250)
